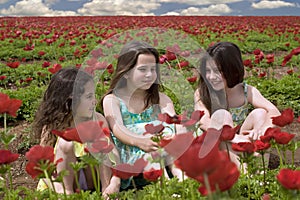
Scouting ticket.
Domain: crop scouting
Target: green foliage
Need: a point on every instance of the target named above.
(30, 97)
(284, 93)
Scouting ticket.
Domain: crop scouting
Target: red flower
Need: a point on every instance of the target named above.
(268, 135)
(125, 171)
(46, 64)
(202, 156)
(150, 128)
(248, 63)
(222, 177)
(286, 117)
(13, 64)
(260, 146)
(2, 78)
(195, 117)
(165, 117)
(192, 79)
(8, 105)
(38, 156)
(228, 133)
(87, 131)
(283, 137)
(248, 147)
(55, 68)
(153, 174)
(7, 156)
(183, 64)
(102, 145)
(41, 53)
(290, 179)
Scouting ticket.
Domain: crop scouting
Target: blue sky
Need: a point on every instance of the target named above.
(149, 7)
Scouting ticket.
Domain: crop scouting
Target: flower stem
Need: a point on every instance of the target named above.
(52, 184)
(94, 178)
(279, 154)
(207, 185)
(264, 168)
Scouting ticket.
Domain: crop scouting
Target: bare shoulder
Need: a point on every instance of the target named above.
(164, 99)
(110, 98)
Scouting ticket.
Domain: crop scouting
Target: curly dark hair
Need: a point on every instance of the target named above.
(60, 100)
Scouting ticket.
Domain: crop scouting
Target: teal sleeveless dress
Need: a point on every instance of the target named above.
(135, 122)
(239, 114)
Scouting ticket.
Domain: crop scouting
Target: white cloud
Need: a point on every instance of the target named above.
(119, 7)
(199, 2)
(212, 10)
(51, 2)
(33, 8)
(3, 1)
(271, 4)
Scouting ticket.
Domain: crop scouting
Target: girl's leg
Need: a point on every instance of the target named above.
(218, 119)
(64, 150)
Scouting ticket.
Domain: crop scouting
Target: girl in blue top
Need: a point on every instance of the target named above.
(134, 100)
(226, 99)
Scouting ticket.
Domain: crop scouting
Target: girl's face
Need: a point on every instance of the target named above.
(143, 75)
(214, 76)
(87, 104)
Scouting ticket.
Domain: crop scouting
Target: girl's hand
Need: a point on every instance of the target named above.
(113, 187)
(146, 144)
(253, 134)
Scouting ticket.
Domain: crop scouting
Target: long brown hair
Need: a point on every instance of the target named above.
(126, 61)
(228, 59)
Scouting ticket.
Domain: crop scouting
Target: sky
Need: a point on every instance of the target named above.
(149, 7)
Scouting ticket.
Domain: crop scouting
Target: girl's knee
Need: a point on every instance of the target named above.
(220, 118)
(258, 113)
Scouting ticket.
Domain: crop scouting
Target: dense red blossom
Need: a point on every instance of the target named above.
(290, 179)
(8, 105)
(248, 147)
(286, 117)
(6, 156)
(153, 174)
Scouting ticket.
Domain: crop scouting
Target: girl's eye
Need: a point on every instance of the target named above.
(142, 69)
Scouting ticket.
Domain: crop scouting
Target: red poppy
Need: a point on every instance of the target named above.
(102, 145)
(260, 146)
(248, 147)
(7, 156)
(223, 177)
(270, 58)
(2, 78)
(41, 53)
(283, 137)
(152, 129)
(202, 156)
(46, 64)
(228, 132)
(248, 63)
(195, 117)
(183, 64)
(290, 179)
(165, 117)
(10, 106)
(55, 68)
(125, 171)
(268, 135)
(38, 156)
(286, 117)
(13, 64)
(153, 174)
(84, 132)
(192, 79)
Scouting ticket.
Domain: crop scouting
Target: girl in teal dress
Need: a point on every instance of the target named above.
(225, 97)
(134, 100)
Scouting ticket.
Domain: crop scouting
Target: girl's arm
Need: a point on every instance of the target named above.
(111, 108)
(205, 121)
(259, 101)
